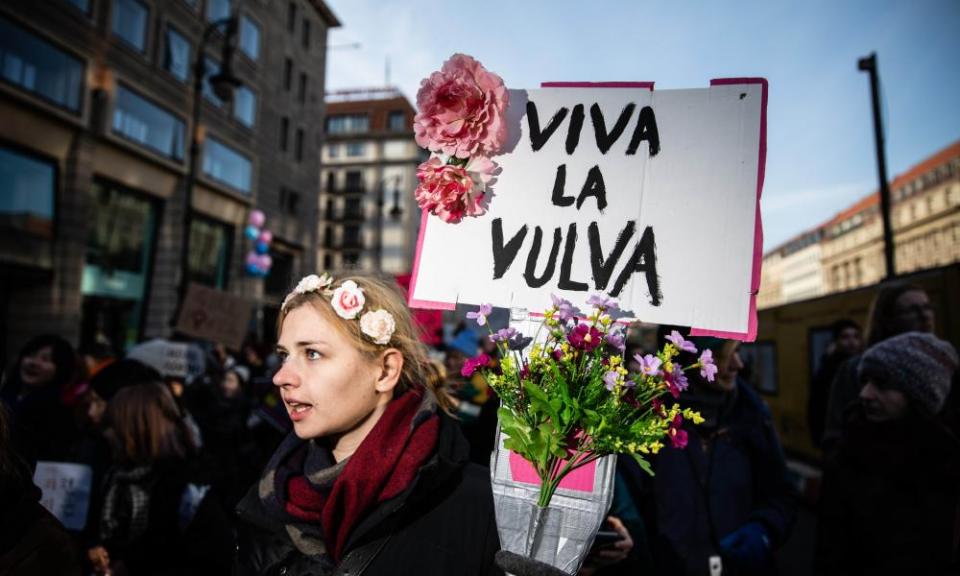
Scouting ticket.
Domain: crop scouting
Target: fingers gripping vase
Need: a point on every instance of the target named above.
(560, 534)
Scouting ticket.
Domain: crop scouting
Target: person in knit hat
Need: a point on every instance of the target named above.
(889, 500)
(912, 369)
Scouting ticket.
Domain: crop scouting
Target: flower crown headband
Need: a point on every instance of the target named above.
(347, 301)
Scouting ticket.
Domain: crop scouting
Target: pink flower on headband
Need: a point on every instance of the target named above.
(348, 300)
(461, 109)
(379, 325)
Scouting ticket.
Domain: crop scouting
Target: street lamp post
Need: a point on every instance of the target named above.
(223, 84)
(395, 213)
(869, 64)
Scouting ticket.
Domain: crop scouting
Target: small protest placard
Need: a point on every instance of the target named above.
(214, 315)
(648, 196)
(66, 491)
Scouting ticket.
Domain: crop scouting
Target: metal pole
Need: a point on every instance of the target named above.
(199, 71)
(869, 64)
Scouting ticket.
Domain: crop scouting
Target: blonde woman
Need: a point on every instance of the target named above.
(374, 478)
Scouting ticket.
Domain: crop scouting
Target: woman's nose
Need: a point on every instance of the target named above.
(286, 376)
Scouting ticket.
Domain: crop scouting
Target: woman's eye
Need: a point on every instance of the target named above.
(312, 354)
(282, 356)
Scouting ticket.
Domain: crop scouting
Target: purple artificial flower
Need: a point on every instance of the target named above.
(519, 341)
(610, 380)
(707, 367)
(481, 314)
(678, 438)
(617, 339)
(649, 364)
(471, 365)
(503, 334)
(629, 384)
(585, 337)
(557, 354)
(603, 302)
(681, 344)
(680, 379)
(565, 310)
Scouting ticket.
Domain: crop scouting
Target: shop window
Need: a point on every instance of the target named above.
(210, 245)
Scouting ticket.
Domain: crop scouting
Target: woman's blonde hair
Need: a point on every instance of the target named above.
(379, 293)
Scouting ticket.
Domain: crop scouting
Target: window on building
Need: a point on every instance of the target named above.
(36, 66)
(140, 120)
(354, 182)
(176, 54)
(306, 34)
(355, 149)
(302, 92)
(210, 244)
(130, 22)
(249, 38)
(351, 237)
(218, 10)
(224, 164)
(333, 150)
(292, 17)
(298, 145)
(289, 201)
(278, 280)
(348, 124)
(331, 181)
(287, 74)
(284, 133)
(27, 193)
(245, 106)
(211, 69)
(328, 261)
(397, 121)
(81, 5)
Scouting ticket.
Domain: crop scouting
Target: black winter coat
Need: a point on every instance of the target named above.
(442, 524)
(891, 501)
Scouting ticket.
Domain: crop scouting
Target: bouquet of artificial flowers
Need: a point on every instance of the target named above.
(568, 399)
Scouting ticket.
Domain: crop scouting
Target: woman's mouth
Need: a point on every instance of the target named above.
(298, 410)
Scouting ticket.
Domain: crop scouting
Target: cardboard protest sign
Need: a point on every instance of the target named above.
(214, 315)
(649, 196)
(65, 491)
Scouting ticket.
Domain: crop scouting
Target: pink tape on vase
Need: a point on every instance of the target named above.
(580, 480)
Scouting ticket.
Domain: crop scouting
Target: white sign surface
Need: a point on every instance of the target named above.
(678, 187)
(65, 491)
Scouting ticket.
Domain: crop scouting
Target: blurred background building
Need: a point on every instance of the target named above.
(847, 251)
(96, 97)
(370, 216)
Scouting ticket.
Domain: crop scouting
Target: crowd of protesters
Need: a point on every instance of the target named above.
(182, 465)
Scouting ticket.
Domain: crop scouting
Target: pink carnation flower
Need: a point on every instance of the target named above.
(461, 109)
(452, 192)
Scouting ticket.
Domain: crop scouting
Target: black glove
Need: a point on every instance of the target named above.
(522, 566)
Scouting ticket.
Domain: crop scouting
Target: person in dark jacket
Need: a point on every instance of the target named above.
(725, 498)
(41, 423)
(890, 502)
(32, 541)
(897, 308)
(846, 343)
(375, 477)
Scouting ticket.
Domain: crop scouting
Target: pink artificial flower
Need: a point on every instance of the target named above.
(682, 344)
(348, 300)
(452, 192)
(649, 364)
(678, 438)
(462, 110)
(585, 337)
(471, 365)
(480, 316)
(707, 367)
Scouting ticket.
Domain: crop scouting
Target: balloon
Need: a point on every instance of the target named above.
(264, 261)
(251, 232)
(251, 258)
(262, 247)
(266, 236)
(257, 218)
(252, 269)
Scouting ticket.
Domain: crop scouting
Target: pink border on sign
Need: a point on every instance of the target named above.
(648, 85)
(751, 333)
(411, 301)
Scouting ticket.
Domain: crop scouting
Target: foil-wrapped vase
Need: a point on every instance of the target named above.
(560, 534)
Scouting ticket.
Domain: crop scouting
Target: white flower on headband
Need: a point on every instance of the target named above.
(348, 300)
(378, 325)
(311, 283)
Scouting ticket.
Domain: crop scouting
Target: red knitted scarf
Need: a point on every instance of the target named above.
(383, 466)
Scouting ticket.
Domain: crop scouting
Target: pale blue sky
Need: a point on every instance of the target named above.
(820, 150)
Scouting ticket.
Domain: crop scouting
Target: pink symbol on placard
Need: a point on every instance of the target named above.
(580, 480)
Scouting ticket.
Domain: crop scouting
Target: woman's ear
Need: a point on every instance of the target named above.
(391, 366)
